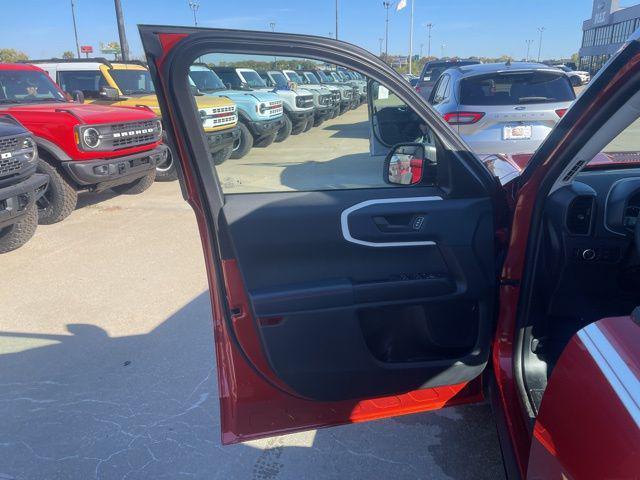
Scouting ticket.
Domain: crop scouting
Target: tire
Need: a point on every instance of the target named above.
(318, 121)
(167, 171)
(309, 125)
(244, 144)
(137, 186)
(298, 129)
(16, 235)
(285, 131)
(265, 141)
(221, 156)
(60, 198)
(334, 113)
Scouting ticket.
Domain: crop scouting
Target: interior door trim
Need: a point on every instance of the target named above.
(344, 221)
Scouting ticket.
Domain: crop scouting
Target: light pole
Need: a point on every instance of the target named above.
(387, 6)
(336, 19)
(528, 42)
(429, 27)
(194, 6)
(124, 45)
(421, 46)
(381, 40)
(411, 39)
(272, 25)
(540, 29)
(75, 28)
(442, 50)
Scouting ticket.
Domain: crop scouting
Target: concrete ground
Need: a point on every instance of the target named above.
(107, 367)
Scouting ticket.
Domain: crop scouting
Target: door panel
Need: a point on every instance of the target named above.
(351, 300)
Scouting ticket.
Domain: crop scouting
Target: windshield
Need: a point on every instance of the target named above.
(516, 88)
(252, 78)
(336, 77)
(88, 81)
(294, 77)
(206, 80)
(311, 78)
(324, 77)
(28, 86)
(279, 79)
(131, 82)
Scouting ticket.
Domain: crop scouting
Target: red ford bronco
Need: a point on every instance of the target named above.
(81, 147)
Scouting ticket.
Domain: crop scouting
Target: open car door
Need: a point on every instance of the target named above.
(336, 297)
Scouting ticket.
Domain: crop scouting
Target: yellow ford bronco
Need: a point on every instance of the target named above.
(129, 84)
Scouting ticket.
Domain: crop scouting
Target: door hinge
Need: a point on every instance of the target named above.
(510, 282)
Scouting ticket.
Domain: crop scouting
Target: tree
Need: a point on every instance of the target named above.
(575, 58)
(11, 55)
(68, 55)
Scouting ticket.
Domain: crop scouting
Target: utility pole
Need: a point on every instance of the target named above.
(442, 50)
(194, 6)
(421, 46)
(75, 28)
(528, 42)
(381, 40)
(411, 38)
(429, 27)
(336, 19)
(124, 46)
(540, 29)
(386, 6)
(272, 25)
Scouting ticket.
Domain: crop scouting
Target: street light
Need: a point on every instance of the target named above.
(272, 25)
(75, 28)
(381, 40)
(528, 42)
(540, 29)
(429, 27)
(194, 6)
(442, 50)
(387, 6)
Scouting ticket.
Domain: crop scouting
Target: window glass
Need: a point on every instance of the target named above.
(206, 79)
(279, 79)
(133, 82)
(313, 137)
(252, 78)
(516, 89)
(27, 86)
(89, 82)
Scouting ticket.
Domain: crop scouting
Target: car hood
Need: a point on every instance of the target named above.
(86, 113)
(261, 96)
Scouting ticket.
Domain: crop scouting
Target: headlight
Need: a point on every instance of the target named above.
(91, 137)
(159, 127)
(30, 149)
(263, 108)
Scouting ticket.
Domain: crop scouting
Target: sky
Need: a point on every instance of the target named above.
(487, 28)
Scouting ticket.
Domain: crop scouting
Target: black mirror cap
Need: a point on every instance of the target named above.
(397, 148)
(78, 96)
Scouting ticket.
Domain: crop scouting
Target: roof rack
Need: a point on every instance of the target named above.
(108, 63)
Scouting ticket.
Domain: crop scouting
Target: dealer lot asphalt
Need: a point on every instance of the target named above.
(107, 365)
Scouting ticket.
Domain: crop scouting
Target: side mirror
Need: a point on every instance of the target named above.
(194, 90)
(404, 164)
(228, 85)
(77, 96)
(109, 93)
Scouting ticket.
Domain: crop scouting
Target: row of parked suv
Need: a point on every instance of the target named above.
(68, 126)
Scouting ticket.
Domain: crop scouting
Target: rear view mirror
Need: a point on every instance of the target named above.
(78, 96)
(404, 164)
(109, 93)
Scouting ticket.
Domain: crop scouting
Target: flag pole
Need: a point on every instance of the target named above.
(411, 38)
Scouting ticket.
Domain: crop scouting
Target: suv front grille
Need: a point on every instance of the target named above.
(219, 116)
(304, 101)
(9, 165)
(8, 144)
(133, 134)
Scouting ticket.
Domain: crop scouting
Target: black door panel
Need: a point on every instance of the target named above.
(341, 319)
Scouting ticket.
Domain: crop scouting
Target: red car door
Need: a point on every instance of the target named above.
(336, 305)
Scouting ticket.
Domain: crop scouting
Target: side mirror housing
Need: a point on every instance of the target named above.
(78, 96)
(109, 93)
(405, 164)
(194, 90)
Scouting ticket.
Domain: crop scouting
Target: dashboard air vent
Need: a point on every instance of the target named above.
(579, 215)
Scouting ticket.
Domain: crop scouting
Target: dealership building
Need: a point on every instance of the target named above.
(604, 33)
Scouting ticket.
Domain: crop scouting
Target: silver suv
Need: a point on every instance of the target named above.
(502, 107)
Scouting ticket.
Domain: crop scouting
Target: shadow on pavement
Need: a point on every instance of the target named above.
(90, 405)
(349, 130)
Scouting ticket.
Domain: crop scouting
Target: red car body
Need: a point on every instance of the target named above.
(588, 424)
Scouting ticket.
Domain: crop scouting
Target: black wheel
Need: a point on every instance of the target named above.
(298, 128)
(242, 146)
(167, 171)
(575, 81)
(334, 112)
(285, 131)
(318, 121)
(266, 140)
(60, 198)
(137, 186)
(308, 125)
(16, 235)
(221, 155)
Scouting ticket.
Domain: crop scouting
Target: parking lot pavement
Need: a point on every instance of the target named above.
(107, 368)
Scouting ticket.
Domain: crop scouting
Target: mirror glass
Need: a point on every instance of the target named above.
(406, 164)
